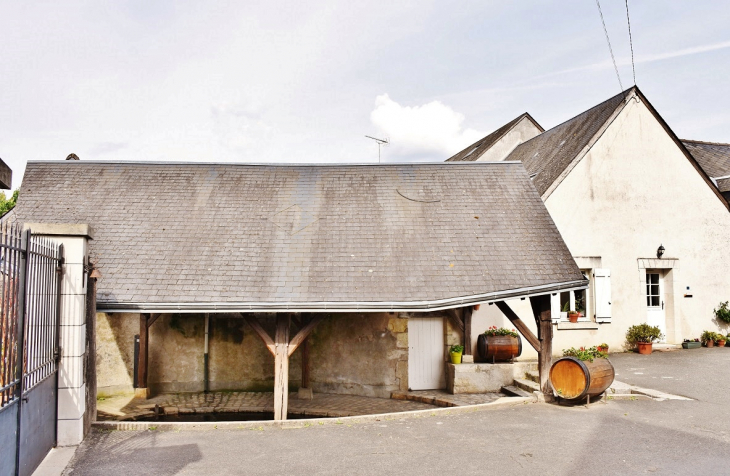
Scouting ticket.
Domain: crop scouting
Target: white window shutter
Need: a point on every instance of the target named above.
(555, 307)
(602, 285)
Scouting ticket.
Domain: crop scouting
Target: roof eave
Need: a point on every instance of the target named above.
(339, 307)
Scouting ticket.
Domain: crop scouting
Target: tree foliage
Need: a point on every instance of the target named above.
(7, 204)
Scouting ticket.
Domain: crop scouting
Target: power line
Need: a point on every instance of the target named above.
(605, 30)
(631, 41)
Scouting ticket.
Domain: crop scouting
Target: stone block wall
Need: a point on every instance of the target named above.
(361, 354)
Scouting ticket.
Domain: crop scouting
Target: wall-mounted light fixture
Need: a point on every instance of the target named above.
(660, 251)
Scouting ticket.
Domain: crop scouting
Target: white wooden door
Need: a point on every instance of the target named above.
(426, 354)
(655, 315)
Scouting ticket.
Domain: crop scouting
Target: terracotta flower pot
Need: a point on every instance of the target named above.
(721, 343)
(573, 316)
(644, 347)
(710, 343)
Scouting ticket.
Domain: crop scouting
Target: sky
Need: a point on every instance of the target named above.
(304, 82)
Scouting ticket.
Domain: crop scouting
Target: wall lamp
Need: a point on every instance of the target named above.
(660, 251)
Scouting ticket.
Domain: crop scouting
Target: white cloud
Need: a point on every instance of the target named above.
(430, 131)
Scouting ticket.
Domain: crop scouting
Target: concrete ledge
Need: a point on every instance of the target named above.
(484, 378)
(64, 229)
(564, 326)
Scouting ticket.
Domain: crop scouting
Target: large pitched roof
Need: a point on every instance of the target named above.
(547, 155)
(474, 151)
(265, 237)
(714, 158)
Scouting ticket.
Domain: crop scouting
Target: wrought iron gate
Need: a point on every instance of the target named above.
(30, 284)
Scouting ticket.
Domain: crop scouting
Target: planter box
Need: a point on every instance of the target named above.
(691, 345)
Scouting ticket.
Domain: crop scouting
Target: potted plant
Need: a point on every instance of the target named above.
(708, 338)
(642, 336)
(603, 348)
(455, 352)
(499, 344)
(572, 315)
(719, 339)
(691, 344)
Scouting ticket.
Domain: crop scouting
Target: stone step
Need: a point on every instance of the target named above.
(534, 376)
(512, 391)
(527, 385)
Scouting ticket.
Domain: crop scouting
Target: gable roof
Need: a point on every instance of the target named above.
(182, 236)
(552, 154)
(478, 148)
(714, 158)
(547, 155)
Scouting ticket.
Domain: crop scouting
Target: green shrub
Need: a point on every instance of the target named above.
(722, 313)
(711, 336)
(643, 333)
(585, 354)
(502, 331)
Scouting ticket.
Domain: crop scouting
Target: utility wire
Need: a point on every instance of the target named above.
(605, 30)
(631, 41)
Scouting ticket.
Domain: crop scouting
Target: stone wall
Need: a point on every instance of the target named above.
(362, 354)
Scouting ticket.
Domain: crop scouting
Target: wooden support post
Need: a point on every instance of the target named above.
(467, 330)
(282, 349)
(251, 321)
(144, 337)
(90, 415)
(152, 319)
(541, 310)
(521, 326)
(305, 355)
(281, 366)
(455, 319)
(304, 333)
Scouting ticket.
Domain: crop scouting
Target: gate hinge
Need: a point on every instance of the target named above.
(57, 354)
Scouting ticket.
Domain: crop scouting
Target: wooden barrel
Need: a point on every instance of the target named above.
(574, 379)
(498, 348)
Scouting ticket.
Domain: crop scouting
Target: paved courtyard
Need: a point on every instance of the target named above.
(611, 437)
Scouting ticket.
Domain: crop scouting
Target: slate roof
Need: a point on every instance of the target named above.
(266, 237)
(547, 155)
(714, 158)
(474, 151)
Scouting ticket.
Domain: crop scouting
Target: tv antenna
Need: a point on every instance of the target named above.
(381, 142)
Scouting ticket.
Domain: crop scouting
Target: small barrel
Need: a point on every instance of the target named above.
(498, 348)
(574, 379)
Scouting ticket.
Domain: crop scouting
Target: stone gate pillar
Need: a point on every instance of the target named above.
(71, 375)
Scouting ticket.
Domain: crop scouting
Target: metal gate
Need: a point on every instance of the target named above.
(30, 284)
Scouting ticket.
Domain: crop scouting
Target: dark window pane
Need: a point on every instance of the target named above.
(655, 301)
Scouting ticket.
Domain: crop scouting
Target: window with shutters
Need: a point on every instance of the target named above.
(579, 301)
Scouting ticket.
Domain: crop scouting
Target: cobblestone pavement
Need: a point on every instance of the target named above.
(442, 398)
(323, 405)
